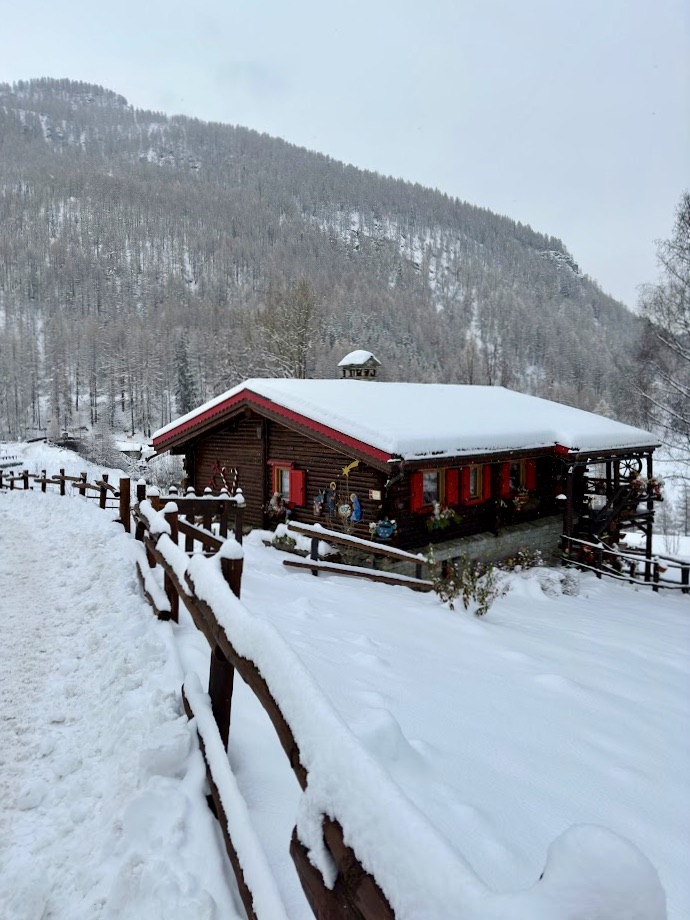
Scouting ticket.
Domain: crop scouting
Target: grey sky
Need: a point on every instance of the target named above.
(570, 115)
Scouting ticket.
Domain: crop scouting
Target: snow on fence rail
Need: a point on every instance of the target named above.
(365, 548)
(80, 483)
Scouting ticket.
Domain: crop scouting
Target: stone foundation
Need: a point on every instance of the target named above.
(542, 535)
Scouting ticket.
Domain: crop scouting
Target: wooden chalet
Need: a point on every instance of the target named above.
(413, 464)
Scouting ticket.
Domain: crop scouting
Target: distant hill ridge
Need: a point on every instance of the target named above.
(146, 260)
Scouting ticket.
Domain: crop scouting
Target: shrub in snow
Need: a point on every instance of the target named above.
(474, 582)
(284, 542)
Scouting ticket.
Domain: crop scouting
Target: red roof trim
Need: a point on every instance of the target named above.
(247, 396)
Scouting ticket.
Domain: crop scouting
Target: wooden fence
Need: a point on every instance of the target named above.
(101, 489)
(356, 894)
(368, 550)
(628, 565)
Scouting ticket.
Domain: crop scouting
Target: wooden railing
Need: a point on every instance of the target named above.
(367, 549)
(627, 565)
(356, 894)
(103, 489)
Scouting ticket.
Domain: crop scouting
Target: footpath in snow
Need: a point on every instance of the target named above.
(102, 805)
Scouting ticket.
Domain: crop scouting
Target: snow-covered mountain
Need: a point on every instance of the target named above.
(140, 250)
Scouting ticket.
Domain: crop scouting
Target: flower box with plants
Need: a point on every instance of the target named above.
(442, 517)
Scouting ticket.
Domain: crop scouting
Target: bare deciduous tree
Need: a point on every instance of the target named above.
(666, 342)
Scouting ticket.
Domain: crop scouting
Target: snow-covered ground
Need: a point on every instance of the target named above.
(556, 709)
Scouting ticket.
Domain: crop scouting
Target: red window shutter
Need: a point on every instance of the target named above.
(505, 480)
(297, 488)
(486, 483)
(452, 487)
(530, 475)
(416, 491)
(465, 484)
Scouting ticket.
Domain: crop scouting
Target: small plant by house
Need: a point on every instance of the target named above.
(466, 579)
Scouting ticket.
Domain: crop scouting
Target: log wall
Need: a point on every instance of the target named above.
(251, 442)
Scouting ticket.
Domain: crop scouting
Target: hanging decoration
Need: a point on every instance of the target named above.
(228, 476)
(383, 529)
(276, 507)
(319, 499)
(330, 499)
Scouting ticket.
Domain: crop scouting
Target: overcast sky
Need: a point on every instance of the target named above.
(570, 115)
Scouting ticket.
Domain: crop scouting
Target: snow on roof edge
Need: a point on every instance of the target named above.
(434, 421)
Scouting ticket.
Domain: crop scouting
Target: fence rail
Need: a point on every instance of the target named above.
(624, 565)
(356, 895)
(364, 548)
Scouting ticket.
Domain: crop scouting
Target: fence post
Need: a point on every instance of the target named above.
(232, 573)
(82, 486)
(104, 492)
(25, 477)
(685, 578)
(0, 479)
(170, 515)
(11, 480)
(655, 576)
(598, 560)
(221, 678)
(222, 673)
(239, 514)
(141, 495)
(223, 513)
(314, 553)
(125, 496)
(43, 480)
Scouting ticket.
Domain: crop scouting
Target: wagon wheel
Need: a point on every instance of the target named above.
(630, 468)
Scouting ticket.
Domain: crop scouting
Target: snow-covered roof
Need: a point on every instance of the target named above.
(416, 421)
(358, 359)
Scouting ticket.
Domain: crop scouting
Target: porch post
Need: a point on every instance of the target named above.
(650, 520)
(568, 515)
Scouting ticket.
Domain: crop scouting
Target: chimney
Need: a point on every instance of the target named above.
(360, 365)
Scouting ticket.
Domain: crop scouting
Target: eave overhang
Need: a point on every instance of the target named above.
(201, 424)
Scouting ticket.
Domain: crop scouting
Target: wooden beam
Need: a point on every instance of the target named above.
(336, 568)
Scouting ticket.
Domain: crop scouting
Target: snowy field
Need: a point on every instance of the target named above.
(556, 709)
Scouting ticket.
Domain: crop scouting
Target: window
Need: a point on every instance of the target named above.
(517, 475)
(475, 489)
(475, 483)
(430, 486)
(291, 483)
(281, 481)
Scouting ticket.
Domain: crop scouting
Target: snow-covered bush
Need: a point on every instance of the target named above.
(473, 582)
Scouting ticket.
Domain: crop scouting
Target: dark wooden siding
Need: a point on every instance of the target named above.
(322, 466)
(235, 445)
(477, 517)
(238, 445)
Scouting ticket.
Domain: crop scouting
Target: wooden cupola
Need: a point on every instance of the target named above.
(360, 365)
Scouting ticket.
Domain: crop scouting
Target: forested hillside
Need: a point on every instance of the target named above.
(149, 262)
